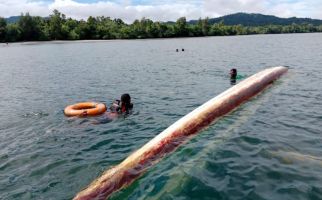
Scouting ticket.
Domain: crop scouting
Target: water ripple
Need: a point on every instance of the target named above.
(268, 148)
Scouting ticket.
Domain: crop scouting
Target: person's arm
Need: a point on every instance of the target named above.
(115, 107)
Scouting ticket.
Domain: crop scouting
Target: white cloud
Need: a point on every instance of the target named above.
(125, 11)
(163, 10)
(15, 7)
(286, 8)
(224, 7)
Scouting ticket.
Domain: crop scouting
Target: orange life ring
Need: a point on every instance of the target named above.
(85, 109)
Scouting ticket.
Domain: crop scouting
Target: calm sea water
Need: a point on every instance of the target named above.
(269, 148)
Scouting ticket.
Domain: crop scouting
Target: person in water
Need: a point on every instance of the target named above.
(233, 74)
(123, 106)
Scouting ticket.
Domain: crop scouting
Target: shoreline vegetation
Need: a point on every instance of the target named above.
(58, 27)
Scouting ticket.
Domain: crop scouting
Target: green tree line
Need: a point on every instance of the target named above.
(58, 27)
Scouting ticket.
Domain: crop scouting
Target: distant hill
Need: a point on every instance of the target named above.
(12, 19)
(259, 20)
(245, 19)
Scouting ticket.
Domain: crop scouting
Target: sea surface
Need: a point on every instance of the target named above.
(269, 148)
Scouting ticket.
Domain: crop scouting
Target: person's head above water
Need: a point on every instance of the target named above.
(122, 106)
(233, 73)
(126, 98)
(126, 104)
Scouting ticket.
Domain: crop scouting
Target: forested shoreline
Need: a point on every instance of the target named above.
(58, 27)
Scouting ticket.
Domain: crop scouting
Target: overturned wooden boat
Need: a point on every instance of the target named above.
(167, 141)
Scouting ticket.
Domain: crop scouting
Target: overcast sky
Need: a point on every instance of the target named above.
(162, 10)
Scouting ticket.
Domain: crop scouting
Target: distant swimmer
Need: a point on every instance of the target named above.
(182, 49)
(233, 73)
(177, 50)
(123, 106)
(234, 76)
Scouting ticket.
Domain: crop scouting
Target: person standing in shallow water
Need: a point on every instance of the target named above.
(123, 106)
